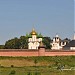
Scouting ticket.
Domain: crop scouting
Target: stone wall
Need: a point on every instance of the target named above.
(60, 53)
(40, 52)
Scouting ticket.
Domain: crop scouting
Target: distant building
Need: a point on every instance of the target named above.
(34, 42)
(57, 43)
(70, 45)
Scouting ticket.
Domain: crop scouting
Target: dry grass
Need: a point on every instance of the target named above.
(16, 62)
(21, 63)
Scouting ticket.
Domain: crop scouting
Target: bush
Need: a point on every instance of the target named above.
(12, 72)
(2, 66)
(12, 65)
(29, 73)
(37, 73)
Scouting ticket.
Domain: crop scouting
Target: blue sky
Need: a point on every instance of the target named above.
(48, 17)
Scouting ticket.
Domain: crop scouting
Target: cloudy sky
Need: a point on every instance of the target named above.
(48, 17)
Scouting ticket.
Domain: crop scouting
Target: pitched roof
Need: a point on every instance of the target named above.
(70, 44)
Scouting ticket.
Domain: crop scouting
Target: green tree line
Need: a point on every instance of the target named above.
(22, 42)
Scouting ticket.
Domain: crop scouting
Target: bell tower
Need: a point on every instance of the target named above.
(41, 49)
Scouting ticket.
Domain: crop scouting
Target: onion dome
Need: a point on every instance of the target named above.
(33, 32)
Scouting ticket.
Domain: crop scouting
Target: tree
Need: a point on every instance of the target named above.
(12, 44)
(1, 46)
(23, 42)
(39, 35)
(46, 42)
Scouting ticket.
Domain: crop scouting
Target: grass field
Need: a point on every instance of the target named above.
(33, 71)
(58, 65)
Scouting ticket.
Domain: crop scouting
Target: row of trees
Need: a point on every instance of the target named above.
(22, 42)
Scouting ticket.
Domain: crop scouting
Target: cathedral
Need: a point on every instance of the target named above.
(34, 42)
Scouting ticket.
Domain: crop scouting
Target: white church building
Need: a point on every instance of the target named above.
(57, 43)
(34, 42)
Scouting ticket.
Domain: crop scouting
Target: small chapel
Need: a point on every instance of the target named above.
(34, 41)
(57, 43)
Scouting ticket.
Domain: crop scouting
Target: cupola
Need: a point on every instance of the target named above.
(33, 32)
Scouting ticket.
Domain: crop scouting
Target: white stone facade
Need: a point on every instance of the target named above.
(34, 42)
(57, 43)
(72, 48)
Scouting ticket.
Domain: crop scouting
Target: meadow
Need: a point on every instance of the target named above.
(57, 65)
